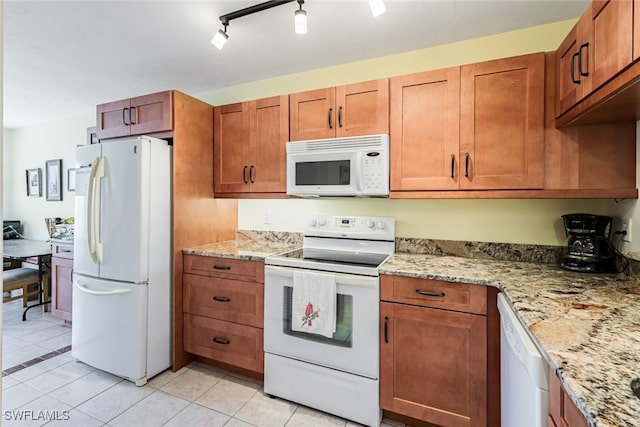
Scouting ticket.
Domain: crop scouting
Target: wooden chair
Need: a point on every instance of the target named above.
(22, 278)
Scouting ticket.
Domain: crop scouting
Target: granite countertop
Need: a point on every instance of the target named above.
(587, 326)
(248, 246)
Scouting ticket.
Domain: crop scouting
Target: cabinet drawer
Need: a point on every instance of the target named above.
(434, 293)
(224, 299)
(62, 250)
(227, 268)
(226, 342)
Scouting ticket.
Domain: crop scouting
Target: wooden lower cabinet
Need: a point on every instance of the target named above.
(433, 361)
(562, 411)
(223, 311)
(61, 280)
(226, 342)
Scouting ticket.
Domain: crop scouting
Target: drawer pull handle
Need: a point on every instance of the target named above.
(221, 299)
(65, 250)
(430, 294)
(386, 329)
(221, 267)
(221, 340)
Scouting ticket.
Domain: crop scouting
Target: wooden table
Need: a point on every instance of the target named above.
(23, 250)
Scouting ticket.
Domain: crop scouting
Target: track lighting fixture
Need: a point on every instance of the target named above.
(377, 7)
(220, 38)
(300, 19)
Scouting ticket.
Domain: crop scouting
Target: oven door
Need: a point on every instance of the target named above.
(354, 346)
(324, 173)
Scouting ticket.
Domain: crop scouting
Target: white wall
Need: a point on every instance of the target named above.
(29, 148)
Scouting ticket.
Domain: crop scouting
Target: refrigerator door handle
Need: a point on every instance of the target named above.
(90, 206)
(83, 288)
(96, 217)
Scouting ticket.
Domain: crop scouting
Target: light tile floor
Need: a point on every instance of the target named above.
(79, 395)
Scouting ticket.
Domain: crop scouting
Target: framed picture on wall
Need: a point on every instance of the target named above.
(54, 180)
(71, 180)
(34, 176)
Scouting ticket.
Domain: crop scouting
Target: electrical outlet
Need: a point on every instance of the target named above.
(267, 218)
(625, 225)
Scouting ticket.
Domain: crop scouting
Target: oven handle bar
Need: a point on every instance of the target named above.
(341, 278)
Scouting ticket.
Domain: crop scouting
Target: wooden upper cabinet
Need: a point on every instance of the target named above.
(312, 114)
(502, 124)
(424, 130)
(269, 133)
(250, 146)
(599, 46)
(636, 29)
(574, 67)
(612, 29)
(350, 110)
(231, 147)
(146, 114)
(363, 108)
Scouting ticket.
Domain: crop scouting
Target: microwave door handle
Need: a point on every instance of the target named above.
(359, 169)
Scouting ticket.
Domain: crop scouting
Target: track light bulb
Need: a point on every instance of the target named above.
(219, 39)
(377, 7)
(300, 21)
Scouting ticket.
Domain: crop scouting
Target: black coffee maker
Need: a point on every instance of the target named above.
(589, 249)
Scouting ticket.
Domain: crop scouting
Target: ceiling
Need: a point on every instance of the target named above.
(61, 58)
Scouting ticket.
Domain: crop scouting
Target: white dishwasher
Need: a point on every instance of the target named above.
(524, 375)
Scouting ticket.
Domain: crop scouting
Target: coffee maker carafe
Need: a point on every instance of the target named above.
(588, 248)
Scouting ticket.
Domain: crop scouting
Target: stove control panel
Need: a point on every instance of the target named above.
(377, 228)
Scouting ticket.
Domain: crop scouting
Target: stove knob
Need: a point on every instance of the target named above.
(313, 222)
(381, 225)
(322, 221)
(370, 223)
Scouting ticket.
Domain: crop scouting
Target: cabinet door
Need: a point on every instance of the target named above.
(612, 29)
(636, 30)
(438, 375)
(425, 130)
(363, 108)
(61, 287)
(268, 138)
(312, 114)
(151, 113)
(562, 411)
(112, 119)
(574, 64)
(502, 124)
(231, 147)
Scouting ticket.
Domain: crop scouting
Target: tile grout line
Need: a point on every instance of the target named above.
(35, 361)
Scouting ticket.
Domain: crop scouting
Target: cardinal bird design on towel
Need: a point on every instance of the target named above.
(309, 314)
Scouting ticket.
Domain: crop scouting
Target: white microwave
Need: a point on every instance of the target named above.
(352, 166)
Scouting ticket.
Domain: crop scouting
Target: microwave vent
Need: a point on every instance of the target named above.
(357, 142)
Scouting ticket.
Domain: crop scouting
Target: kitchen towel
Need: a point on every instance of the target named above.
(314, 303)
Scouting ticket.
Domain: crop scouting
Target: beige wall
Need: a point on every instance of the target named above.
(518, 221)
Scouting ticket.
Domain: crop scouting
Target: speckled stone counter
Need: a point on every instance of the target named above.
(249, 245)
(587, 326)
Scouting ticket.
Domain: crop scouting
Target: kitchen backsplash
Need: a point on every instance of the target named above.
(540, 254)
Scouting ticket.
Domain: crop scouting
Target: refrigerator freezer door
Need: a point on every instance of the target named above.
(124, 211)
(83, 263)
(110, 326)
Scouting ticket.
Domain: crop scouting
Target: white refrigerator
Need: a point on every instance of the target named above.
(122, 257)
